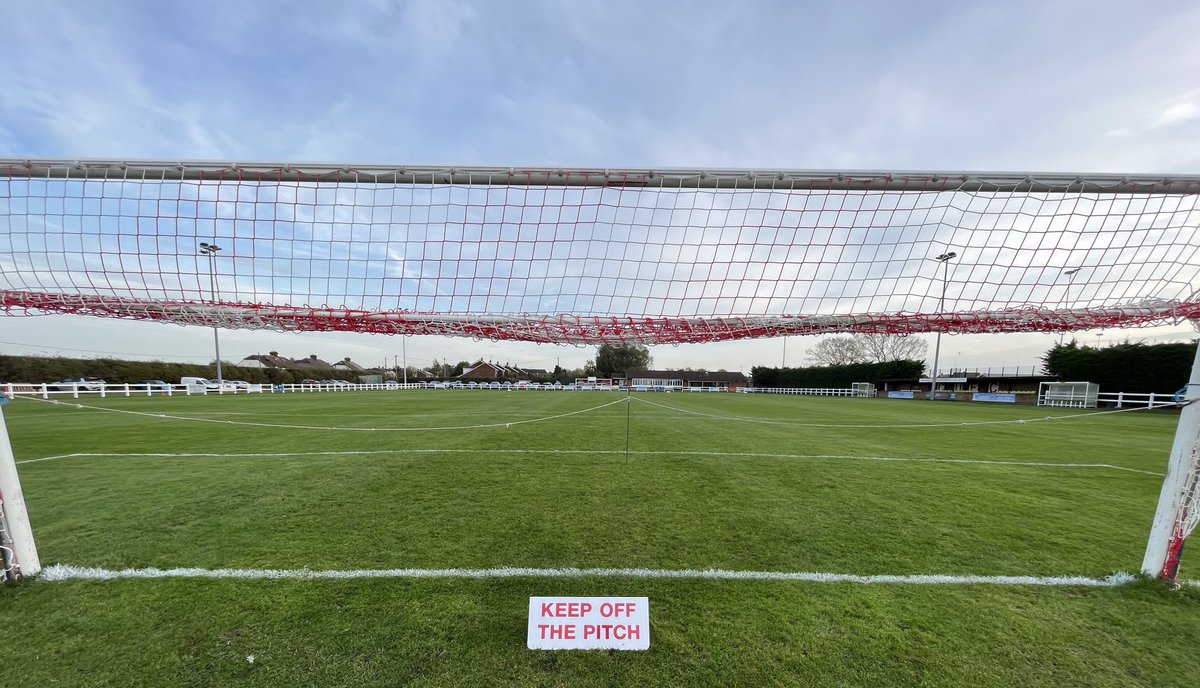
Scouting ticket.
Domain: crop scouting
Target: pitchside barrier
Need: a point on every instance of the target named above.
(51, 391)
(812, 391)
(1124, 400)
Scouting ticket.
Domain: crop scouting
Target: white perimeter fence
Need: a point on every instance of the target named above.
(1120, 400)
(75, 391)
(1134, 399)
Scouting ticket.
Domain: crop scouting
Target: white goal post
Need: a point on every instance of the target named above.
(1070, 394)
(1178, 510)
(863, 389)
(18, 554)
(590, 256)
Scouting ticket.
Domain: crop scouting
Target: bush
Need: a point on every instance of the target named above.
(1123, 367)
(836, 376)
(36, 369)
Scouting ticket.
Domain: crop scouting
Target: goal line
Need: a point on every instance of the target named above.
(66, 572)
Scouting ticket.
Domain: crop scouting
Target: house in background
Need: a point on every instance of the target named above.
(271, 360)
(349, 366)
(313, 363)
(487, 370)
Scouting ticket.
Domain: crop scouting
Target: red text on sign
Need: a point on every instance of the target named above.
(611, 632)
(566, 610)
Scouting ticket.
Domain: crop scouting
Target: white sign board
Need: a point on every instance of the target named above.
(589, 623)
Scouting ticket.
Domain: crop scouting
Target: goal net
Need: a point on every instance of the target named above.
(589, 256)
(863, 389)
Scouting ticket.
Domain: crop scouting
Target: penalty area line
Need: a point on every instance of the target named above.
(65, 572)
(583, 452)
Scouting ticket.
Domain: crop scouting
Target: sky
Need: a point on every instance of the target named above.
(1056, 87)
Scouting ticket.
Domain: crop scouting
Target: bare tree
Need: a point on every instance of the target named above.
(836, 351)
(867, 348)
(880, 348)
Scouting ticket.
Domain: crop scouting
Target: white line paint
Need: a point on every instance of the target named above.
(585, 452)
(193, 419)
(63, 572)
(957, 424)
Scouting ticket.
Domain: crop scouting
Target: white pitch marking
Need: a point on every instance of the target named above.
(384, 452)
(948, 424)
(331, 428)
(62, 572)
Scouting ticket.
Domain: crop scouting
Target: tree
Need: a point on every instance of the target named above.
(614, 359)
(1125, 367)
(867, 348)
(881, 348)
(836, 351)
(569, 375)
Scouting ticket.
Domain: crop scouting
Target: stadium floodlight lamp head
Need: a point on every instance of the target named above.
(946, 256)
(1072, 271)
(210, 250)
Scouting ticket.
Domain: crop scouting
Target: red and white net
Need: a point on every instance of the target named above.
(585, 256)
(1186, 513)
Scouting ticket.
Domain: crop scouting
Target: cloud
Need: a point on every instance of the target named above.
(1179, 113)
(609, 84)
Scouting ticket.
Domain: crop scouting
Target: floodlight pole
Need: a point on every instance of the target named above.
(210, 250)
(944, 259)
(404, 355)
(1070, 280)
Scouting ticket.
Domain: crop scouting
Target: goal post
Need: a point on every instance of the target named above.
(863, 389)
(593, 256)
(1178, 510)
(18, 552)
(1070, 394)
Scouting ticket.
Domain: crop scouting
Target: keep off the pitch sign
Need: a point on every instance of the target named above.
(589, 623)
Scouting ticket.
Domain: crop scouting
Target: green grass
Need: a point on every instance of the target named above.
(756, 483)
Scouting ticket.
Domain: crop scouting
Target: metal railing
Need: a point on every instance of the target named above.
(991, 371)
(813, 391)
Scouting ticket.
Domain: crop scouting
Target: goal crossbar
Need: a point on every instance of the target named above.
(667, 177)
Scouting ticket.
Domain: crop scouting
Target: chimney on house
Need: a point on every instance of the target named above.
(274, 353)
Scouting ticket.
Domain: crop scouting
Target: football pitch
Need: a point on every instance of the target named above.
(394, 537)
